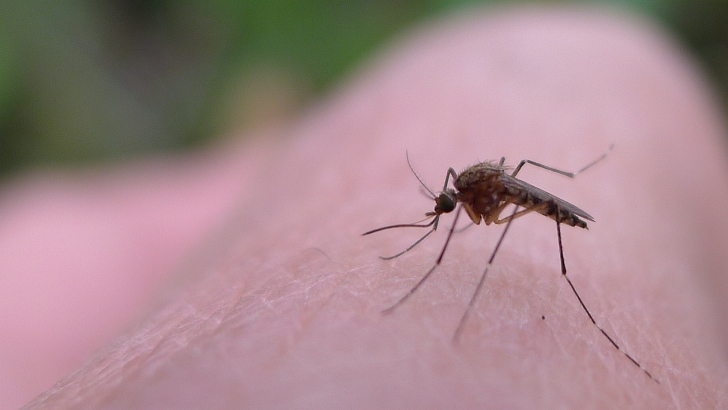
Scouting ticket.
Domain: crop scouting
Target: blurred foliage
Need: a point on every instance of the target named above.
(86, 81)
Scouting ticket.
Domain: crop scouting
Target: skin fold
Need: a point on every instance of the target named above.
(275, 298)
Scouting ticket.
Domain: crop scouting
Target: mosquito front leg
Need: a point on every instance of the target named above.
(434, 228)
(432, 269)
(450, 173)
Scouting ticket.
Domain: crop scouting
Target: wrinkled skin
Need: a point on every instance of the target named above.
(275, 298)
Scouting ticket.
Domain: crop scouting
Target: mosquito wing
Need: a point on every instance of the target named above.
(544, 196)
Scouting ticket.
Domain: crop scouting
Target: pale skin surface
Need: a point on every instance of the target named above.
(281, 308)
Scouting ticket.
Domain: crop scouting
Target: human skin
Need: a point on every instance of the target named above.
(281, 306)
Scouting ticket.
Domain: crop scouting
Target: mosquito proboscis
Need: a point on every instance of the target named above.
(485, 190)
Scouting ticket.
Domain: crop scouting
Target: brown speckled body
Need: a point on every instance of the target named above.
(485, 190)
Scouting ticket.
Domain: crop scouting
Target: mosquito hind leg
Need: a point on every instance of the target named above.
(588, 313)
(558, 171)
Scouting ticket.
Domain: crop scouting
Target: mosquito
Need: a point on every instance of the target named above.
(485, 190)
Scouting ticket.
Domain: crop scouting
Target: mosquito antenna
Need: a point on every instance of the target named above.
(464, 319)
(427, 193)
(432, 269)
(581, 302)
(417, 176)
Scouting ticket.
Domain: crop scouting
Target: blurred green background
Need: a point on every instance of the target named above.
(83, 82)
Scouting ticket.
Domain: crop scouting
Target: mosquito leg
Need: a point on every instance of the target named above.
(581, 302)
(463, 319)
(516, 215)
(429, 272)
(432, 223)
(450, 173)
(387, 258)
(466, 227)
(558, 171)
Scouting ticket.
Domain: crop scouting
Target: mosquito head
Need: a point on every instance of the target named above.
(445, 202)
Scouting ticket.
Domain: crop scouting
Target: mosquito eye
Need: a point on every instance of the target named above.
(444, 203)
